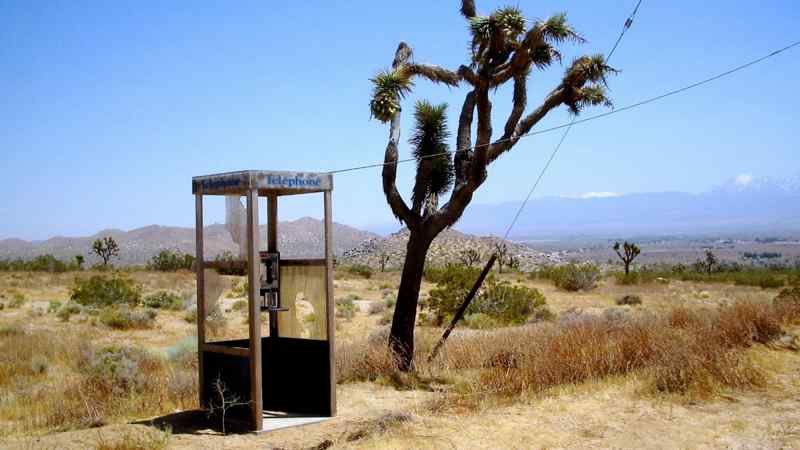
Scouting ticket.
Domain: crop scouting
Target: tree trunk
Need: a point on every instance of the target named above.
(401, 339)
(627, 267)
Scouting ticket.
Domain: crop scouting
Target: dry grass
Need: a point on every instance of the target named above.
(56, 382)
(693, 353)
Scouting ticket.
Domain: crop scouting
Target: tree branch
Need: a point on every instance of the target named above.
(464, 139)
(433, 73)
(389, 174)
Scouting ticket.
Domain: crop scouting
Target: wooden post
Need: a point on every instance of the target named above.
(201, 291)
(272, 246)
(255, 309)
(330, 325)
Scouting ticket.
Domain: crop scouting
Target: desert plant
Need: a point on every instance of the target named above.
(629, 300)
(68, 310)
(170, 261)
(361, 270)
(53, 306)
(100, 291)
(345, 307)
(502, 51)
(106, 248)
(224, 400)
(123, 318)
(163, 300)
(629, 252)
(377, 307)
(17, 300)
(469, 257)
(577, 277)
(239, 305)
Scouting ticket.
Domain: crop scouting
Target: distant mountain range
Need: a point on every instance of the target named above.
(298, 238)
(743, 204)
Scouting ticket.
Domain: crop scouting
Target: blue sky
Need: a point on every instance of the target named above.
(109, 108)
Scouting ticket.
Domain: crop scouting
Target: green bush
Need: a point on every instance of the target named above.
(360, 270)
(542, 313)
(126, 318)
(345, 308)
(190, 315)
(102, 291)
(118, 370)
(163, 300)
(41, 263)
(629, 300)
(13, 329)
(576, 277)
(481, 321)
(239, 288)
(68, 310)
(502, 302)
(170, 261)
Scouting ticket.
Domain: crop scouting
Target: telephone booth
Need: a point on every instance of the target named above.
(282, 374)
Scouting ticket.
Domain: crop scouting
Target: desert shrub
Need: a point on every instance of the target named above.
(170, 261)
(163, 300)
(53, 306)
(626, 279)
(124, 318)
(17, 300)
(102, 291)
(377, 307)
(68, 310)
(629, 300)
(41, 263)
(361, 270)
(345, 307)
(450, 272)
(576, 277)
(542, 313)
(239, 305)
(501, 301)
(506, 303)
(227, 264)
(119, 370)
(787, 304)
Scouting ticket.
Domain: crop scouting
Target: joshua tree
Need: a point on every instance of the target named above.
(710, 261)
(469, 257)
(79, 262)
(383, 259)
(106, 248)
(503, 257)
(503, 52)
(629, 252)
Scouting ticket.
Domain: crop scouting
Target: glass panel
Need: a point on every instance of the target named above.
(303, 292)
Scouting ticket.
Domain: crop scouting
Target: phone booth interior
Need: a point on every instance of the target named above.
(282, 373)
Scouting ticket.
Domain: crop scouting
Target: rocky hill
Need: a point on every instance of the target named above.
(444, 249)
(298, 238)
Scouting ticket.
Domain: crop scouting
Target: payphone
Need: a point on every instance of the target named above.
(270, 282)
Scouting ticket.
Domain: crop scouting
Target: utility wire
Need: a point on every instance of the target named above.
(625, 28)
(596, 116)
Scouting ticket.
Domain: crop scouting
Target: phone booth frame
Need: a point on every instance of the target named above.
(293, 363)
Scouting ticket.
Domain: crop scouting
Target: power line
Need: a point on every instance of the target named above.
(596, 116)
(625, 28)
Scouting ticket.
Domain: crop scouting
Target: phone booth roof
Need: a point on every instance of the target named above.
(265, 181)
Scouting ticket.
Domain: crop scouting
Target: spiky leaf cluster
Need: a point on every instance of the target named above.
(499, 31)
(587, 69)
(435, 172)
(389, 87)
